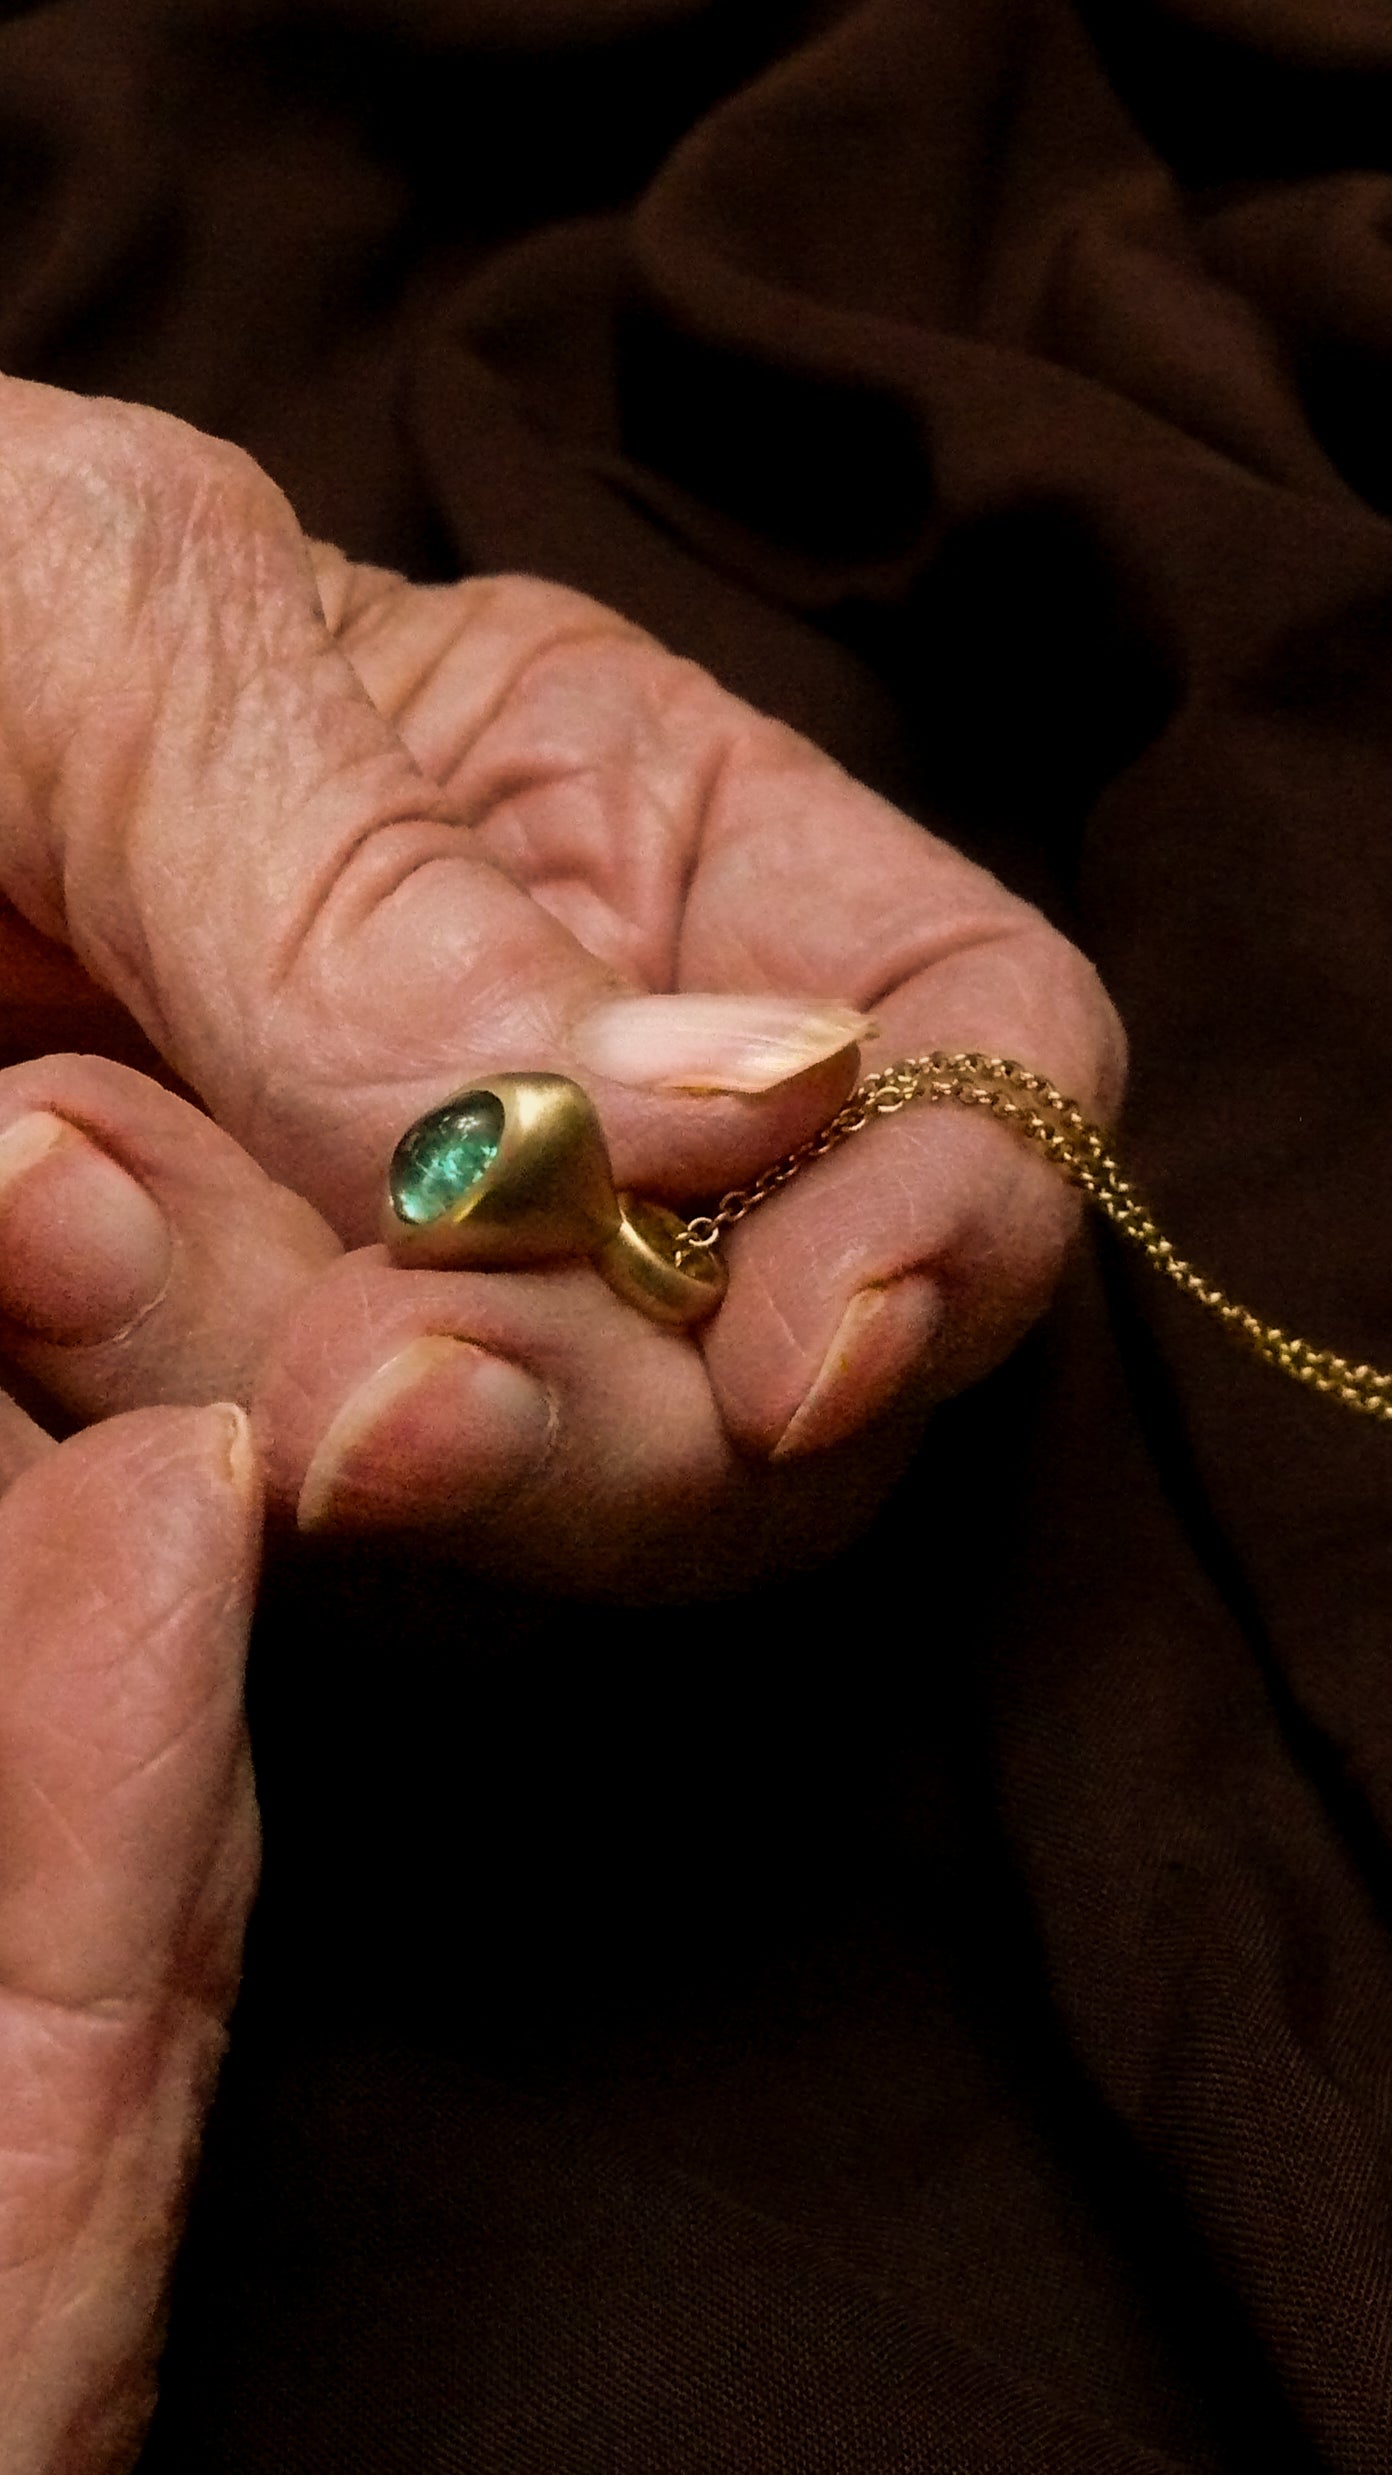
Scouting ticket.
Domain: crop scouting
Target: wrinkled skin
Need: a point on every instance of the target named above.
(320, 847)
(127, 1858)
(340, 845)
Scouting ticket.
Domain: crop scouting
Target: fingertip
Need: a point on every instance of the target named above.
(144, 1257)
(881, 1345)
(185, 1472)
(715, 1042)
(87, 1250)
(440, 1431)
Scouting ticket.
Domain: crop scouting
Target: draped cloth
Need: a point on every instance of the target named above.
(936, 2015)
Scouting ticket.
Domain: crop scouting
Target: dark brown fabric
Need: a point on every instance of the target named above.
(939, 2017)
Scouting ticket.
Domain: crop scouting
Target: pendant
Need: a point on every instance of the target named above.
(517, 1172)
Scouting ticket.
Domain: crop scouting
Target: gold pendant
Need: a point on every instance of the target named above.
(516, 1171)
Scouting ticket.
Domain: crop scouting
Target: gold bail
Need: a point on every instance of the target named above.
(648, 1261)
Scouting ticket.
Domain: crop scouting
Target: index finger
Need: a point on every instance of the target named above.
(933, 1240)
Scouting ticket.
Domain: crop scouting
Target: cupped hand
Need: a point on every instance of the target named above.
(340, 846)
(128, 1848)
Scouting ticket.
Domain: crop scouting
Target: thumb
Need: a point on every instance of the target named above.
(127, 1862)
(128, 1560)
(201, 800)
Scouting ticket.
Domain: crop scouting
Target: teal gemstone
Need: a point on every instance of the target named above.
(445, 1153)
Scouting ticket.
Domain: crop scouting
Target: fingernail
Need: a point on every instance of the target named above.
(84, 1250)
(441, 1431)
(883, 1336)
(238, 1452)
(714, 1043)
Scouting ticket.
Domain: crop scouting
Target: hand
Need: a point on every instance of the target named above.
(128, 1850)
(337, 870)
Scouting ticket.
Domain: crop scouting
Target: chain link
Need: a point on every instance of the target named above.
(1036, 1109)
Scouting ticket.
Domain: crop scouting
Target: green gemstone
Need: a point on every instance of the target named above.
(443, 1155)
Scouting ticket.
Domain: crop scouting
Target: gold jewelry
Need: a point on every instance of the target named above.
(516, 1172)
(1036, 1109)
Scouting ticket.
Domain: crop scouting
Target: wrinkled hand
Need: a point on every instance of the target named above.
(341, 845)
(128, 1849)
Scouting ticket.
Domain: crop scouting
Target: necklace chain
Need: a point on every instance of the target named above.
(1037, 1110)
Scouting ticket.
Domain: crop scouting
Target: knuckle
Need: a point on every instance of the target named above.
(133, 485)
(1108, 1037)
(1098, 1016)
(1068, 1011)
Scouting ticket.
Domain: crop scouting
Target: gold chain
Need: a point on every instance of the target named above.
(1057, 1127)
